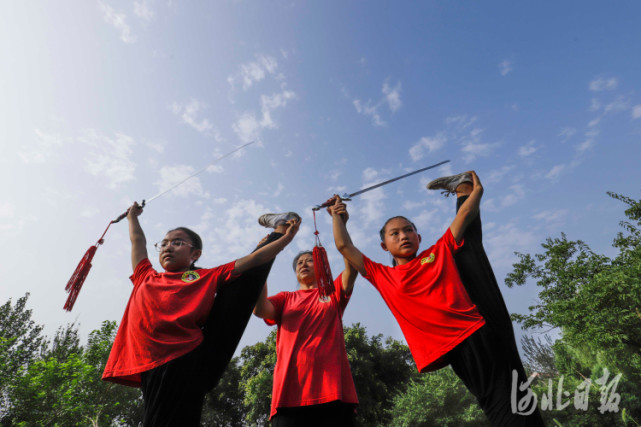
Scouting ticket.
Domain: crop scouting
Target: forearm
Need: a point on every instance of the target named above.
(264, 308)
(138, 242)
(349, 276)
(345, 246)
(136, 234)
(262, 255)
(466, 213)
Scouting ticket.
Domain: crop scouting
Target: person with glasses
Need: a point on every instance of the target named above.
(169, 340)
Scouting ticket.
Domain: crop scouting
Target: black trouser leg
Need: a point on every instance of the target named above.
(485, 367)
(478, 277)
(334, 414)
(173, 393)
(481, 285)
(229, 316)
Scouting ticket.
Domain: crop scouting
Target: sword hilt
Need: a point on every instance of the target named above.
(345, 197)
(123, 215)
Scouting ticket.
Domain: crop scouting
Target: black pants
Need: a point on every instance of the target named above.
(485, 361)
(332, 414)
(174, 392)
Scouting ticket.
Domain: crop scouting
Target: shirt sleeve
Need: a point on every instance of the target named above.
(142, 270)
(225, 273)
(278, 301)
(341, 296)
(448, 241)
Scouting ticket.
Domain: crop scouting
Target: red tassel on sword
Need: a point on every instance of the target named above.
(322, 270)
(80, 274)
(78, 277)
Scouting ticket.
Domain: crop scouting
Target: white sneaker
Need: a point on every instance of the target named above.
(449, 183)
(273, 220)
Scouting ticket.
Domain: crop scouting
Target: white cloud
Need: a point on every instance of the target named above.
(248, 127)
(370, 174)
(589, 142)
(461, 122)
(270, 103)
(567, 133)
(619, 104)
(255, 71)
(555, 172)
(601, 84)
(551, 215)
(173, 175)
(279, 190)
(501, 243)
(111, 157)
(44, 149)
(505, 67)
(429, 144)
(393, 96)
(118, 21)
(636, 112)
(189, 115)
(496, 175)
(143, 10)
(472, 147)
(369, 110)
(585, 145)
(528, 149)
(594, 122)
(234, 232)
(595, 104)
(7, 210)
(516, 193)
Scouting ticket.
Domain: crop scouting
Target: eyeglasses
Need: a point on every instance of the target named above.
(176, 243)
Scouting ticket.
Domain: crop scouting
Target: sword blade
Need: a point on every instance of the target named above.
(380, 184)
(365, 190)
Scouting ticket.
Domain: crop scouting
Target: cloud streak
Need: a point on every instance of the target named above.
(119, 21)
(391, 98)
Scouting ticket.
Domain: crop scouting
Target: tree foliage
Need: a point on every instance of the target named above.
(436, 399)
(594, 301)
(63, 386)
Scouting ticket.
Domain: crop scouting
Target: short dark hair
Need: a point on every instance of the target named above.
(196, 241)
(300, 254)
(382, 231)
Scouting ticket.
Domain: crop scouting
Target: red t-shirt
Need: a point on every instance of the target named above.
(311, 365)
(162, 320)
(429, 302)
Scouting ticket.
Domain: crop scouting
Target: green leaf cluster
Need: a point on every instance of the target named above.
(594, 302)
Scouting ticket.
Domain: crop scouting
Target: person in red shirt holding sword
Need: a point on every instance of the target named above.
(440, 322)
(168, 342)
(313, 383)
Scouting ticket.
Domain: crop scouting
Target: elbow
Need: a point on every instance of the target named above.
(341, 247)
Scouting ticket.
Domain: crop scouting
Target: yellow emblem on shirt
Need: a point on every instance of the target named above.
(428, 259)
(190, 276)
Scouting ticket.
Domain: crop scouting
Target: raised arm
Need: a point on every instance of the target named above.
(264, 308)
(136, 235)
(267, 252)
(468, 210)
(343, 241)
(349, 277)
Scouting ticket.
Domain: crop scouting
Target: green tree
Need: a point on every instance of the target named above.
(64, 388)
(381, 370)
(595, 302)
(437, 399)
(20, 343)
(224, 406)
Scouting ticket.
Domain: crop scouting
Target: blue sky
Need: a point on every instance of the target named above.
(103, 103)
